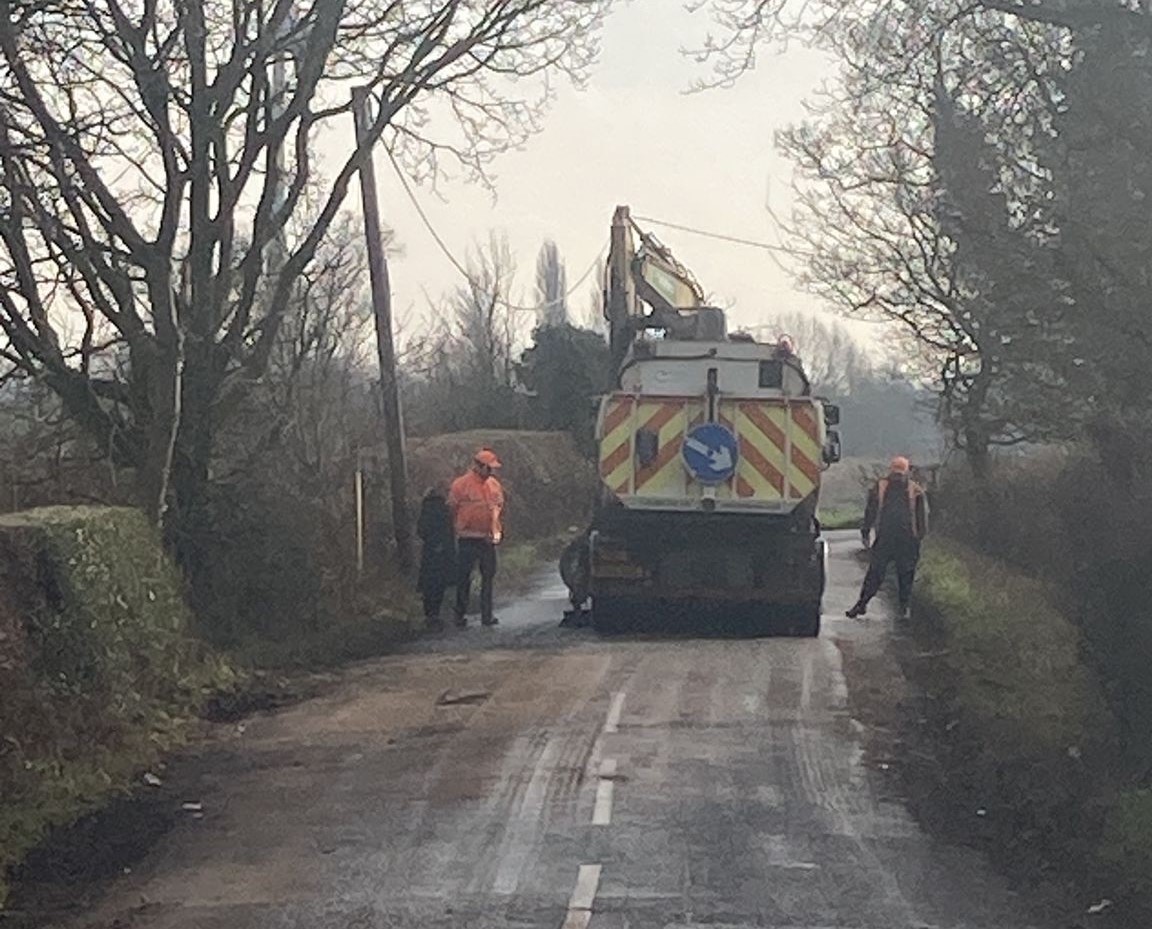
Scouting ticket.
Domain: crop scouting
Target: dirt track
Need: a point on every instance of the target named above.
(571, 782)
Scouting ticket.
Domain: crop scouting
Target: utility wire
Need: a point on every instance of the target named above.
(772, 250)
(713, 235)
(459, 266)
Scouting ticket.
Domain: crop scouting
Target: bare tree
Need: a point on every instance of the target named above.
(551, 286)
(594, 315)
(485, 323)
(462, 376)
(832, 358)
(154, 160)
(301, 406)
(895, 224)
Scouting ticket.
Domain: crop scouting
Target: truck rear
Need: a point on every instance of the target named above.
(710, 460)
(711, 450)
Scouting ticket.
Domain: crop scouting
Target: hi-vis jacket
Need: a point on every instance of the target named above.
(477, 505)
(905, 516)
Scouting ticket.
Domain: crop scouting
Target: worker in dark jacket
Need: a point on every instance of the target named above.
(438, 554)
(898, 511)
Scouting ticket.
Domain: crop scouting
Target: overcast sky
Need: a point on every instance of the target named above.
(633, 137)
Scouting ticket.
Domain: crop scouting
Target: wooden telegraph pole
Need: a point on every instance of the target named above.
(385, 346)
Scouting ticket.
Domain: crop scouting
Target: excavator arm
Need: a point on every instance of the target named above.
(648, 288)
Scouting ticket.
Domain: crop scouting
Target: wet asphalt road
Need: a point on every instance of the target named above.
(665, 783)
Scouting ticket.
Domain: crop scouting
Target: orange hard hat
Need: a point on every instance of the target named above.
(900, 465)
(487, 457)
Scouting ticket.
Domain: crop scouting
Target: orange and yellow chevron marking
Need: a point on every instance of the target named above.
(616, 444)
(761, 469)
(667, 420)
(779, 446)
(806, 451)
(767, 431)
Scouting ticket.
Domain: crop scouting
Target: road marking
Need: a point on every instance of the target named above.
(587, 883)
(577, 919)
(612, 724)
(605, 788)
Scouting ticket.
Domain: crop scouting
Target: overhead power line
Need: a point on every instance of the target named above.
(459, 265)
(713, 235)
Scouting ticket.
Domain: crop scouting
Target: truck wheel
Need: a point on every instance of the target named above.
(806, 625)
(607, 615)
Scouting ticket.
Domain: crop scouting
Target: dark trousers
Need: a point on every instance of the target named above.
(433, 601)
(475, 553)
(905, 553)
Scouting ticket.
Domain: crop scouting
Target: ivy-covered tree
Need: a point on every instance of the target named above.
(566, 368)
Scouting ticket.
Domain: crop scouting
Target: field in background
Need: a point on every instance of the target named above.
(843, 492)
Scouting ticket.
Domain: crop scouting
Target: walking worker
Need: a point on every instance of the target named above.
(898, 511)
(438, 552)
(477, 504)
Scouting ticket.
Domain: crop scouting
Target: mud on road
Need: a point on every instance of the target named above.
(535, 776)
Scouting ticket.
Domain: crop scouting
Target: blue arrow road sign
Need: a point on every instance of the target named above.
(711, 453)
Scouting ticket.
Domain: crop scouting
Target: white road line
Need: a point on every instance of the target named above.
(587, 883)
(577, 919)
(605, 788)
(612, 724)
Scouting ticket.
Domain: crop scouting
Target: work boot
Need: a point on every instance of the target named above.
(433, 623)
(461, 621)
(905, 611)
(490, 621)
(860, 609)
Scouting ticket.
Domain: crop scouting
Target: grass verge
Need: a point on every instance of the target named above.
(1025, 742)
(846, 517)
(99, 671)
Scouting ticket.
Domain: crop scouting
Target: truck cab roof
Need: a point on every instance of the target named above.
(746, 369)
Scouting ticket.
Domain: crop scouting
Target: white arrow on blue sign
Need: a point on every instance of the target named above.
(710, 453)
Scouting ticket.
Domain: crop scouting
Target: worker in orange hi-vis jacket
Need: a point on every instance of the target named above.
(898, 511)
(477, 503)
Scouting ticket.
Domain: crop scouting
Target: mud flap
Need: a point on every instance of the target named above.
(576, 571)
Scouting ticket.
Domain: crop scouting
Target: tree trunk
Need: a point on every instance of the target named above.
(189, 528)
(1115, 445)
(977, 451)
(156, 375)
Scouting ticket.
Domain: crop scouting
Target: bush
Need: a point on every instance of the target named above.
(1022, 723)
(280, 546)
(1062, 516)
(1126, 847)
(97, 667)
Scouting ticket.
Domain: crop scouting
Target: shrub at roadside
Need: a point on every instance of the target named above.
(1126, 845)
(1061, 515)
(98, 669)
(280, 543)
(1023, 730)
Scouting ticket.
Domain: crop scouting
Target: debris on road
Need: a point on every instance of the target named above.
(152, 780)
(1097, 908)
(463, 697)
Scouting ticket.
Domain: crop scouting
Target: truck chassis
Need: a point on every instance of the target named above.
(758, 566)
